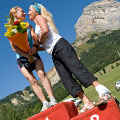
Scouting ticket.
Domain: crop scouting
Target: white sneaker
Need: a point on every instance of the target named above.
(52, 103)
(45, 106)
(103, 99)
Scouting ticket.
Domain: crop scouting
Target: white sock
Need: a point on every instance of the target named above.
(52, 98)
(45, 102)
(101, 89)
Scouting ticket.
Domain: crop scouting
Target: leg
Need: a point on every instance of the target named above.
(84, 98)
(66, 53)
(36, 88)
(69, 58)
(69, 82)
(87, 103)
(46, 83)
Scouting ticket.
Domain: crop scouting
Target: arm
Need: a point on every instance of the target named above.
(34, 36)
(19, 51)
(41, 21)
(40, 49)
(35, 47)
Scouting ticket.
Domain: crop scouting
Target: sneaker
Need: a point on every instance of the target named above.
(86, 107)
(103, 99)
(52, 103)
(45, 106)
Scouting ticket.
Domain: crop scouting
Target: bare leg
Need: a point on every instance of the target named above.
(87, 103)
(36, 88)
(84, 98)
(46, 83)
(95, 83)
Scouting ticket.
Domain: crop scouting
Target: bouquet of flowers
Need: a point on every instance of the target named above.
(17, 34)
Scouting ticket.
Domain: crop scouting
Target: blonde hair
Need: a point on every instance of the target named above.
(12, 13)
(48, 16)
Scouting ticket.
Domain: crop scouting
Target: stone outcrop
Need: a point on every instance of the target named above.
(99, 16)
(53, 76)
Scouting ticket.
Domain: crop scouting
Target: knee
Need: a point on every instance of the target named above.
(41, 75)
(32, 81)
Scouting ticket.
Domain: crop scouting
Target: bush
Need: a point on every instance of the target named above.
(117, 64)
(112, 67)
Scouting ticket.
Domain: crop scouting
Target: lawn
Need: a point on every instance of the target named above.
(108, 79)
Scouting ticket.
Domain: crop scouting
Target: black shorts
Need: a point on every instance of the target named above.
(23, 61)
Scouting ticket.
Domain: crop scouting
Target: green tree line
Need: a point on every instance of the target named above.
(104, 52)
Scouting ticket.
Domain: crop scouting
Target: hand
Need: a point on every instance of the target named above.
(31, 27)
(30, 59)
(33, 50)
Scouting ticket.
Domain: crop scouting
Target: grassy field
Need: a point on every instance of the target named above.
(109, 79)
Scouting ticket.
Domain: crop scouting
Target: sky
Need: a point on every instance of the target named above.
(65, 14)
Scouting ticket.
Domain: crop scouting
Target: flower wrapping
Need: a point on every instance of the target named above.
(17, 34)
(21, 41)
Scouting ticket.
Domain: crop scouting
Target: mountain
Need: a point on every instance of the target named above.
(97, 34)
(97, 45)
(97, 17)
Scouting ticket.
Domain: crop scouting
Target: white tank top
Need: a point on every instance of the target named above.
(51, 40)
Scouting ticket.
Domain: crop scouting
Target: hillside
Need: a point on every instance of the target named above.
(20, 98)
(97, 45)
(96, 54)
(100, 50)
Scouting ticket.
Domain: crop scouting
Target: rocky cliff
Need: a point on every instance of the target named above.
(53, 76)
(99, 16)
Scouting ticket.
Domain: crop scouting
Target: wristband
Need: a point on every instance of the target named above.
(39, 42)
(36, 45)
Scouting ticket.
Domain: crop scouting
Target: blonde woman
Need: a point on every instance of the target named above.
(64, 57)
(26, 66)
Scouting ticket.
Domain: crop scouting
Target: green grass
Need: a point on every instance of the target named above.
(109, 79)
(84, 47)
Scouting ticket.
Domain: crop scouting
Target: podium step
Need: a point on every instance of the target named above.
(68, 111)
(106, 111)
(61, 111)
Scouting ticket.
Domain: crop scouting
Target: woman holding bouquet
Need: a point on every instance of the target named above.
(64, 57)
(27, 65)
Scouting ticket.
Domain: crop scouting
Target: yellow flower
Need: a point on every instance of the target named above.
(24, 25)
(15, 27)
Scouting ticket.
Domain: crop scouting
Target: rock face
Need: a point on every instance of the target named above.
(99, 16)
(53, 76)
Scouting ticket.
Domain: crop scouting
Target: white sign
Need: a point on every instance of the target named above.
(94, 116)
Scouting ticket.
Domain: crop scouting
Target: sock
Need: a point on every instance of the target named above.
(45, 102)
(52, 98)
(101, 89)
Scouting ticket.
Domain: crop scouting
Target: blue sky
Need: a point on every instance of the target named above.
(65, 14)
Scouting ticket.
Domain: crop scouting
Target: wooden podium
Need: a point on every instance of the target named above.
(68, 111)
